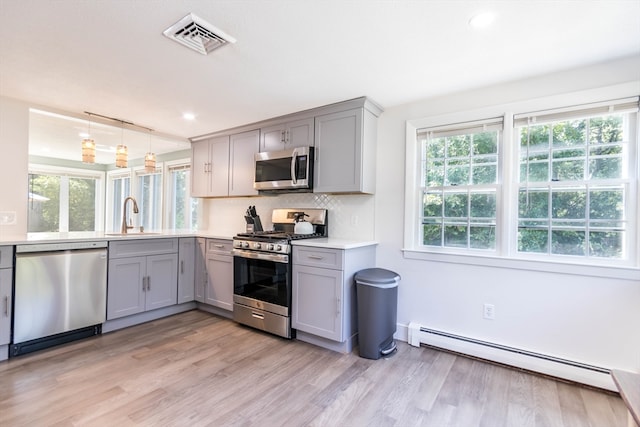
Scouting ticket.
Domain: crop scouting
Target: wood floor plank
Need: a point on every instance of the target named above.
(195, 369)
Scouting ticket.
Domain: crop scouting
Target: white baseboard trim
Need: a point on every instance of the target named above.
(575, 371)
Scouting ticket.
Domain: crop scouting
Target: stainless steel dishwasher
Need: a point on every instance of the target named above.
(60, 294)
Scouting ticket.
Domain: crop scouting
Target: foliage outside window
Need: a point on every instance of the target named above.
(149, 198)
(119, 189)
(63, 200)
(573, 196)
(460, 185)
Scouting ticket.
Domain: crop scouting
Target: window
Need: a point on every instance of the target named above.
(574, 181)
(460, 184)
(149, 197)
(118, 189)
(64, 200)
(181, 209)
(559, 185)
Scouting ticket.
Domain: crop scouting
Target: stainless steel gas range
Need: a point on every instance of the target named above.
(262, 270)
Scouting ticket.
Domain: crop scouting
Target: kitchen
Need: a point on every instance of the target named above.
(588, 317)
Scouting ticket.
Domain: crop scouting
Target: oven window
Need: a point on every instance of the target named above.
(273, 170)
(262, 280)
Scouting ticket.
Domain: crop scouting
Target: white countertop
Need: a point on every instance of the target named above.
(333, 243)
(330, 242)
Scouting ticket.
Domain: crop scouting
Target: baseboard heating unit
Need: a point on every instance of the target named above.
(595, 376)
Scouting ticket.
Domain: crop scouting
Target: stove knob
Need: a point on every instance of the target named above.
(270, 247)
(245, 244)
(278, 248)
(257, 246)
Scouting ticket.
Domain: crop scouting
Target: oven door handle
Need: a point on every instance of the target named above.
(284, 259)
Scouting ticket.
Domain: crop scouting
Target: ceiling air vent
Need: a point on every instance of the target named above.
(198, 34)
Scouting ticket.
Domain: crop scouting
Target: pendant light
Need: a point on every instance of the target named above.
(88, 146)
(121, 153)
(150, 159)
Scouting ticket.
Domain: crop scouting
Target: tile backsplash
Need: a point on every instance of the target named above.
(350, 216)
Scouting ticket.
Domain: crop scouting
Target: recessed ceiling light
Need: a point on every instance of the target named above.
(482, 20)
(189, 116)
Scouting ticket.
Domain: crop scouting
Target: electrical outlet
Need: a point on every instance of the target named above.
(489, 311)
(7, 218)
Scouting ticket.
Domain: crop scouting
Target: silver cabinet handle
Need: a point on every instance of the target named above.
(316, 257)
(337, 305)
(257, 315)
(148, 283)
(6, 306)
(144, 283)
(219, 246)
(182, 267)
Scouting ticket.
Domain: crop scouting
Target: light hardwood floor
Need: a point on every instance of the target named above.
(195, 369)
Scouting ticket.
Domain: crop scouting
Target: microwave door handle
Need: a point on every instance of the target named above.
(294, 163)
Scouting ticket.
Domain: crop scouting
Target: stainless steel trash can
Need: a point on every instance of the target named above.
(377, 296)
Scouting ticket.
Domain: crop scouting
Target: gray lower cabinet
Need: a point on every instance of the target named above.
(143, 276)
(323, 294)
(6, 286)
(186, 269)
(214, 273)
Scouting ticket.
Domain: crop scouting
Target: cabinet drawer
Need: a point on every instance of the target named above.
(317, 257)
(6, 256)
(127, 248)
(219, 246)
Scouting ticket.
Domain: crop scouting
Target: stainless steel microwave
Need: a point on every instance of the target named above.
(290, 169)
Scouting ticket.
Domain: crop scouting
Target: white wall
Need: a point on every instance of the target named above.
(14, 164)
(583, 318)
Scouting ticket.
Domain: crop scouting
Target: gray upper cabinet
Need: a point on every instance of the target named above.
(243, 147)
(210, 167)
(281, 136)
(345, 154)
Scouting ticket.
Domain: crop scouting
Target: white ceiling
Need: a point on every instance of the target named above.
(110, 57)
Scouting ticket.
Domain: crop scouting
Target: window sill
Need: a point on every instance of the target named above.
(610, 272)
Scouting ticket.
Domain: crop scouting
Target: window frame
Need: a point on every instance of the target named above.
(169, 166)
(506, 255)
(69, 172)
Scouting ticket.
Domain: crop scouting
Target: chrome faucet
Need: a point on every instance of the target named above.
(125, 227)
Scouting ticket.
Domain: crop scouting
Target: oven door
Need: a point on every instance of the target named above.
(262, 280)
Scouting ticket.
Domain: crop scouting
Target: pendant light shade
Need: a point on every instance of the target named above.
(88, 150)
(150, 159)
(150, 162)
(121, 156)
(88, 146)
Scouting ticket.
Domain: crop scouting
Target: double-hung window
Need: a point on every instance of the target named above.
(64, 199)
(560, 185)
(181, 208)
(460, 185)
(575, 181)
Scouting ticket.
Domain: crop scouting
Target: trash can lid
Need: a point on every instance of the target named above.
(377, 276)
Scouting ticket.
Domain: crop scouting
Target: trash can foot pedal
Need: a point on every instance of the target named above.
(388, 351)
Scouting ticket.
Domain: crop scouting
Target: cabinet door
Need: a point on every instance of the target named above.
(317, 301)
(162, 281)
(272, 138)
(186, 269)
(5, 305)
(200, 169)
(338, 154)
(300, 133)
(125, 295)
(243, 148)
(219, 158)
(201, 278)
(220, 284)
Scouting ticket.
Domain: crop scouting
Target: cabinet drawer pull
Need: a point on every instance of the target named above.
(316, 257)
(148, 283)
(257, 315)
(182, 267)
(6, 306)
(219, 246)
